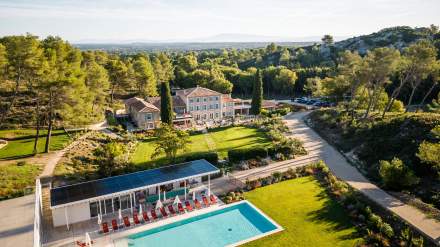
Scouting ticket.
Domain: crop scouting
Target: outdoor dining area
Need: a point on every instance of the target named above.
(125, 201)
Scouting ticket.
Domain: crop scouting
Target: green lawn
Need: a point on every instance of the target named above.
(224, 139)
(17, 177)
(21, 143)
(309, 217)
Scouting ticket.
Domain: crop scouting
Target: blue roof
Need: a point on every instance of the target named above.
(106, 186)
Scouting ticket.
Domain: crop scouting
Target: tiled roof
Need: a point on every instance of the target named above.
(199, 92)
(177, 101)
(268, 104)
(228, 98)
(141, 105)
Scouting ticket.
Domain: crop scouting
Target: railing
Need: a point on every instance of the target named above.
(37, 214)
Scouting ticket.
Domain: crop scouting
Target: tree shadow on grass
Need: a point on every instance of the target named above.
(334, 217)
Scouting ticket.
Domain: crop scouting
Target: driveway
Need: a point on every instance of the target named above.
(17, 222)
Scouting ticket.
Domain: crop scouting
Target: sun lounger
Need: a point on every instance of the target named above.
(163, 212)
(180, 207)
(205, 201)
(171, 209)
(188, 206)
(105, 227)
(82, 244)
(136, 219)
(145, 216)
(197, 204)
(126, 221)
(213, 199)
(153, 214)
(114, 225)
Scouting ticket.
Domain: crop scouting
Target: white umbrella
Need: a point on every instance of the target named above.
(120, 214)
(176, 200)
(194, 195)
(159, 195)
(159, 204)
(164, 196)
(88, 240)
(99, 219)
(140, 209)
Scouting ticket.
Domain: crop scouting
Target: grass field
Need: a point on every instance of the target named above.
(224, 139)
(14, 178)
(309, 217)
(21, 142)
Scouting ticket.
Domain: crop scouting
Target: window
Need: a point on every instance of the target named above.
(216, 115)
(205, 99)
(216, 106)
(204, 107)
(191, 100)
(197, 108)
(116, 203)
(211, 116)
(191, 108)
(94, 209)
(216, 97)
(150, 126)
(149, 117)
(197, 99)
(125, 202)
(204, 116)
(108, 206)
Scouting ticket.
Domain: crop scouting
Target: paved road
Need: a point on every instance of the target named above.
(17, 222)
(320, 149)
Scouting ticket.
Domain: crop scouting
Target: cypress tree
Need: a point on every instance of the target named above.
(257, 94)
(166, 104)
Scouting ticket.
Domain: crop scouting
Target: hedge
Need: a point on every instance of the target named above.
(209, 156)
(237, 155)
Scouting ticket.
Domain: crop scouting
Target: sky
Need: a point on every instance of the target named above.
(190, 20)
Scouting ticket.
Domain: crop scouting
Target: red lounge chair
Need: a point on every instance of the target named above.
(213, 199)
(145, 215)
(163, 212)
(105, 227)
(153, 214)
(81, 244)
(197, 204)
(126, 221)
(180, 207)
(205, 201)
(188, 206)
(171, 209)
(114, 225)
(136, 219)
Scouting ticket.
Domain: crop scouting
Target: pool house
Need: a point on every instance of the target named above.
(85, 201)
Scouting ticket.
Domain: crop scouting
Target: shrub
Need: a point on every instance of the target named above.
(395, 175)
(211, 157)
(237, 155)
(386, 229)
(397, 106)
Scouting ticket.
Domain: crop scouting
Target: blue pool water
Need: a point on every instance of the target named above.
(219, 228)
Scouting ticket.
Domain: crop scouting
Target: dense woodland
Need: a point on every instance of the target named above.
(50, 83)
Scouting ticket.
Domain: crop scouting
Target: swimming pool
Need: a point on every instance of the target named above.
(230, 225)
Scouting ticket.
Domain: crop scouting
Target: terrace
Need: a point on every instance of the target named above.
(128, 203)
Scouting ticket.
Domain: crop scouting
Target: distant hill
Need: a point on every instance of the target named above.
(397, 37)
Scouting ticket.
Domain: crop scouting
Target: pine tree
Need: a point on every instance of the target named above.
(435, 105)
(166, 104)
(257, 94)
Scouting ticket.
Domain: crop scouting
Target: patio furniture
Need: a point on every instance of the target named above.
(197, 204)
(82, 244)
(136, 219)
(163, 212)
(205, 201)
(105, 228)
(114, 225)
(126, 221)
(180, 207)
(171, 209)
(153, 214)
(145, 216)
(188, 206)
(213, 199)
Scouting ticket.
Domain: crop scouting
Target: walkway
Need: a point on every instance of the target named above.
(17, 222)
(320, 149)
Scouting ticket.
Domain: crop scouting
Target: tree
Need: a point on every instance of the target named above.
(119, 76)
(170, 141)
(435, 76)
(313, 86)
(285, 80)
(3, 62)
(23, 54)
(145, 78)
(396, 175)
(271, 48)
(327, 39)
(435, 105)
(257, 94)
(423, 54)
(163, 68)
(166, 104)
(109, 158)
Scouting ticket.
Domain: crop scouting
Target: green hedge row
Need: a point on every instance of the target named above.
(237, 155)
